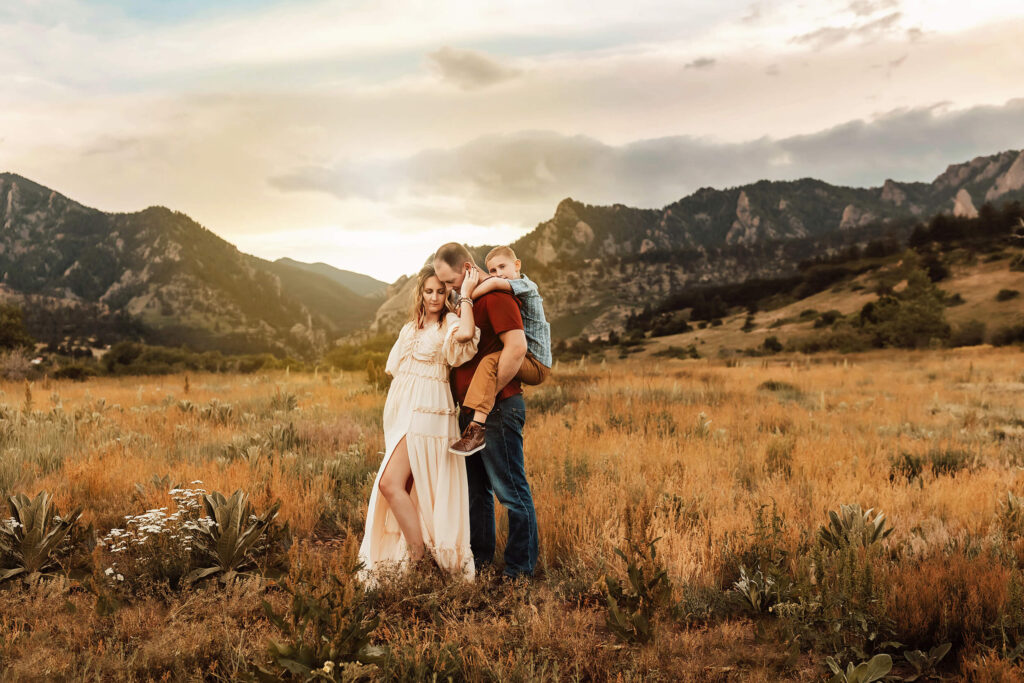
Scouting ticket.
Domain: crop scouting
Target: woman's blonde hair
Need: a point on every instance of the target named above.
(418, 309)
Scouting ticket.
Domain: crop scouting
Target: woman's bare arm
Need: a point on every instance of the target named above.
(467, 324)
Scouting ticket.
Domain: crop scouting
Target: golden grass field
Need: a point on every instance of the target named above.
(683, 451)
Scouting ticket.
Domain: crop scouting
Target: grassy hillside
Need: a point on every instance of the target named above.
(977, 281)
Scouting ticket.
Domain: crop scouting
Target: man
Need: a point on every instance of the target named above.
(499, 469)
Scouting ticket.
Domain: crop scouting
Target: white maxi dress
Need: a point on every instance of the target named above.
(419, 407)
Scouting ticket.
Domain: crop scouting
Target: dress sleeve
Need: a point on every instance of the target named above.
(456, 353)
(399, 351)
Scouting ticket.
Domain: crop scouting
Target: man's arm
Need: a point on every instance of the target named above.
(512, 354)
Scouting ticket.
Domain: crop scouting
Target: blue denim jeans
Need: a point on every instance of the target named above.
(499, 470)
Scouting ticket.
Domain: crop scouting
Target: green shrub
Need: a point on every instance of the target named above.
(970, 333)
(948, 460)
(827, 318)
(1010, 334)
(905, 465)
(771, 345)
(784, 390)
(76, 372)
(677, 352)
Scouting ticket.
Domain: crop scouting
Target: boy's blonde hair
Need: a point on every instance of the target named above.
(500, 251)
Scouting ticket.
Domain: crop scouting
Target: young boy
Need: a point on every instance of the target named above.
(502, 263)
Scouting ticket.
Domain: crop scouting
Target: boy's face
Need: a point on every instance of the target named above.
(504, 267)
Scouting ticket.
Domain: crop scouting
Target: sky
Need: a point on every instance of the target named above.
(365, 134)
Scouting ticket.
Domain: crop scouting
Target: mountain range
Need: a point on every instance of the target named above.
(158, 275)
(597, 264)
(176, 280)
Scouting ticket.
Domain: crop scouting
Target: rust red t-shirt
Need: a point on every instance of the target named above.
(494, 313)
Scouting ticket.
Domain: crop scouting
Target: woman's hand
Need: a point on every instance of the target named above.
(469, 282)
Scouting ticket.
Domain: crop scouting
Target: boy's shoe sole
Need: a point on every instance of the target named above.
(467, 453)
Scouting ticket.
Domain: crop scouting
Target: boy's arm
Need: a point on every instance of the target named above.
(492, 284)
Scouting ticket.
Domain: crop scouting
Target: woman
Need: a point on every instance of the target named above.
(420, 501)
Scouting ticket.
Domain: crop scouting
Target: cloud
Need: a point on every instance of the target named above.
(469, 69)
(864, 8)
(832, 35)
(501, 175)
(701, 63)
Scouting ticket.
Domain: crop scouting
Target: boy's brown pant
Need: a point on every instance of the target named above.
(484, 387)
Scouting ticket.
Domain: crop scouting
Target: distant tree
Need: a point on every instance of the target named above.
(936, 269)
(12, 328)
(910, 319)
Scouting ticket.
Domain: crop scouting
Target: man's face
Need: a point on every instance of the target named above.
(451, 277)
(504, 267)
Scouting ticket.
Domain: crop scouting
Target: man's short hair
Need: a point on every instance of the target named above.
(454, 254)
(500, 251)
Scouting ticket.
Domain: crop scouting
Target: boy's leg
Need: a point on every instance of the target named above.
(484, 386)
(479, 398)
(532, 371)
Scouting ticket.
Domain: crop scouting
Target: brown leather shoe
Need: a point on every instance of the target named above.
(472, 440)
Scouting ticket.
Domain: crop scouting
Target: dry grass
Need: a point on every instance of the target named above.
(681, 450)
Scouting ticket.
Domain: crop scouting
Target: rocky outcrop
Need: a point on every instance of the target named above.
(744, 229)
(855, 217)
(893, 193)
(963, 206)
(1012, 179)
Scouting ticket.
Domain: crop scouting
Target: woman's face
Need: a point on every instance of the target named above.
(433, 295)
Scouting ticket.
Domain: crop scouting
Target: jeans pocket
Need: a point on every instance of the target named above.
(515, 417)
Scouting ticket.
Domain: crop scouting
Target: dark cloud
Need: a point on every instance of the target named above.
(701, 63)
(519, 176)
(469, 69)
(832, 35)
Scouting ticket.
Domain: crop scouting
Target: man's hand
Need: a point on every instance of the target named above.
(512, 354)
(470, 282)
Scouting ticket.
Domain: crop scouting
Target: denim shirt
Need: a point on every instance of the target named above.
(535, 324)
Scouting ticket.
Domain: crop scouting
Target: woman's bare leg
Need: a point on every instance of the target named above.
(393, 486)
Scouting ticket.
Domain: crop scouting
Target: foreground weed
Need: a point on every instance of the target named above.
(852, 527)
(925, 663)
(631, 608)
(325, 635)
(230, 541)
(874, 670)
(757, 592)
(28, 539)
